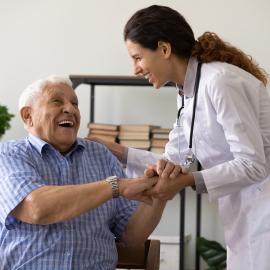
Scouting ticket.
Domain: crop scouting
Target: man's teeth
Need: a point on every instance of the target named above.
(146, 76)
(66, 123)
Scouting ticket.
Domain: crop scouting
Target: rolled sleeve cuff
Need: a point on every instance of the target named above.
(124, 157)
(199, 182)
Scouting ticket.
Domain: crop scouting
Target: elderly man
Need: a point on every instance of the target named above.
(64, 200)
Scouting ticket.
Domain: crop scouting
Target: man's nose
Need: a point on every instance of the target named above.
(68, 108)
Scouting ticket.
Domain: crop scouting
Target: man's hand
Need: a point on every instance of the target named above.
(136, 189)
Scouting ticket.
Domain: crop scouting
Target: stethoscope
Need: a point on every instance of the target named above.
(189, 157)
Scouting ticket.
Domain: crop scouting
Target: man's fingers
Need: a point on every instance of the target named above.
(140, 186)
(149, 173)
(151, 170)
(151, 182)
(151, 166)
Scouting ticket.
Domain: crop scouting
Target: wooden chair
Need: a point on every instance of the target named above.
(145, 257)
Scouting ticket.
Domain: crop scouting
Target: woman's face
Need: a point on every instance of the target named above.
(153, 65)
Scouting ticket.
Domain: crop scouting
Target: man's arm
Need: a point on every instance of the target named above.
(52, 204)
(145, 219)
(142, 223)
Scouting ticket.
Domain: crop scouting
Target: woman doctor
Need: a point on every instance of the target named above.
(223, 120)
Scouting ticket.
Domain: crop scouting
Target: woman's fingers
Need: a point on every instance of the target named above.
(169, 168)
(175, 172)
(161, 164)
(164, 169)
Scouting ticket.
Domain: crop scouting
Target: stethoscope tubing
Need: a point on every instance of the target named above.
(196, 88)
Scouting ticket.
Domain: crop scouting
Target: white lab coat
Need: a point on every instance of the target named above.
(232, 142)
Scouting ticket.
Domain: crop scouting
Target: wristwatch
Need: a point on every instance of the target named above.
(113, 180)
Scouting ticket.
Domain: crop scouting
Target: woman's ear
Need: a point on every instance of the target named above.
(165, 48)
(26, 116)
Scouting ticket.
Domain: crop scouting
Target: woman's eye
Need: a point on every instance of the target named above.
(136, 58)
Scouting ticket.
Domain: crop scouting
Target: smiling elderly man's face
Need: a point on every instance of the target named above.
(55, 116)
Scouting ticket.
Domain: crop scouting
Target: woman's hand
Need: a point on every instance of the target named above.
(164, 168)
(172, 179)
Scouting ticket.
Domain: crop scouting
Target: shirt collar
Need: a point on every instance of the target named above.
(37, 143)
(41, 145)
(189, 82)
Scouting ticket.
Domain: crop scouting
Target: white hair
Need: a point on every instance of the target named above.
(34, 89)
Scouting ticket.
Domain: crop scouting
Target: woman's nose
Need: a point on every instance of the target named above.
(137, 70)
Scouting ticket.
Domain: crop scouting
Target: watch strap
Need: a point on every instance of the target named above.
(113, 180)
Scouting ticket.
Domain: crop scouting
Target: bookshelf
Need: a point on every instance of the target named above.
(94, 81)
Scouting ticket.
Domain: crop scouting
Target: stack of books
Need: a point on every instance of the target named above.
(107, 132)
(135, 136)
(160, 136)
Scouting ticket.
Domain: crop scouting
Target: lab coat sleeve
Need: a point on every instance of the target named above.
(238, 112)
(137, 161)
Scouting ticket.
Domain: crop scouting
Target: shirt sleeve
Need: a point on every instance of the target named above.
(138, 159)
(18, 178)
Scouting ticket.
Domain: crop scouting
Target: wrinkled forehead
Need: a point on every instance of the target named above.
(59, 89)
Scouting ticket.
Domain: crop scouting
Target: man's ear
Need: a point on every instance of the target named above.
(165, 48)
(26, 116)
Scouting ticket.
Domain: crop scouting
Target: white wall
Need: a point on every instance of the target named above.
(39, 38)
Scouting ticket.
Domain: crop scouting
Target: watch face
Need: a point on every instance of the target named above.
(114, 177)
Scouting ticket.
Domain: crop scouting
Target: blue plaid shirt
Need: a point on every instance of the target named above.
(85, 242)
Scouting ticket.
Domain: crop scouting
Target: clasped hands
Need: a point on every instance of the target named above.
(171, 179)
(161, 181)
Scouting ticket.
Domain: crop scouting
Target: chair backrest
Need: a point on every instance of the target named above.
(145, 257)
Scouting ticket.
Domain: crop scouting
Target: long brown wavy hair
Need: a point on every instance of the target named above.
(210, 47)
(156, 23)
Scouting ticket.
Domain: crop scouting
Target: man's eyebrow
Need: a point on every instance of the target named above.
(57, 95)
(75, 99)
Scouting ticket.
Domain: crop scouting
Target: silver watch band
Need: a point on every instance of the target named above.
(113, 180)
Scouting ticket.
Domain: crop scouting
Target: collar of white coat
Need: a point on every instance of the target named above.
(189, 82)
